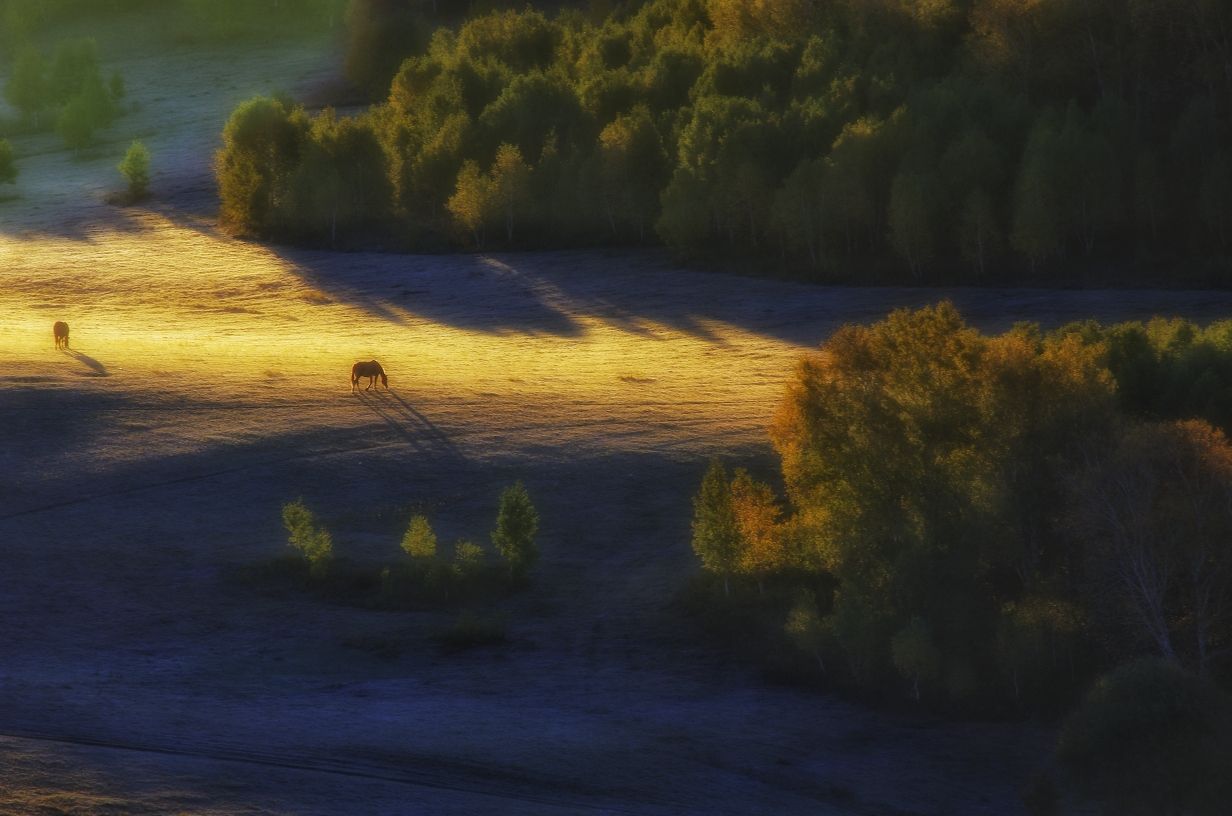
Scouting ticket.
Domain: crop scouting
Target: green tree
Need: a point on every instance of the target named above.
(419, 541)
(634, 170)
(963, 444)
(517, 524)
(263, 144)
(716, 533)
(8, 166)
(911, 229)
(74, 67)
(136, 170)
(509, 182)
(76, 123)
(1037, 230)
(306, 535)
(342, 181)
(27, 88)
(472, 202)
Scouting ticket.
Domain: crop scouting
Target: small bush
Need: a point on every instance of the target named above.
(1151, 738)
(468, 559)
(136, 170)
(517, 523)
(419, 541)
(304, 534)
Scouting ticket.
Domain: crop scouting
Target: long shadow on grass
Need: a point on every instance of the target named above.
(407, 421)
(97, 369)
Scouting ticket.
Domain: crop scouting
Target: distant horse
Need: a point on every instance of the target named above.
(371, 369)
(60, 330)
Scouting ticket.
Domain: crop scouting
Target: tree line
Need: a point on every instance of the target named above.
(989, 138)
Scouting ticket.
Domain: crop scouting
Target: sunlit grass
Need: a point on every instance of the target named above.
(166, 304)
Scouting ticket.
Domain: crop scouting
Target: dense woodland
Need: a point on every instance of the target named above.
(986, 523)
(925, 139)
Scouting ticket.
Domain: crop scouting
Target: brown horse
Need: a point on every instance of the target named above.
(60, 330)
(371, 369)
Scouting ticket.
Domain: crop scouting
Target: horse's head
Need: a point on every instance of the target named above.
(384, 380)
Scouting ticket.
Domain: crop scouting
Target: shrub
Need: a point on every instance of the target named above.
(305, 535)
(419, 541)
(467, 559)
(716, 536)
(517, 523)
(1151, 738)
(136, 170)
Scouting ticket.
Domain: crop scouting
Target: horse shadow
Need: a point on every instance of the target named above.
(97, 369)
(409, 423)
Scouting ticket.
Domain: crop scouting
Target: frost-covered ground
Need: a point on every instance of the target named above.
(207, 383)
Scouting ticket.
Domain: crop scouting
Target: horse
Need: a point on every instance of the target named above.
(60, 330)
(371, 369)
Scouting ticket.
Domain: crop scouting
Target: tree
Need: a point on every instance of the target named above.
(305, 534)
(796, 212)
(263, 143)
(419, 541)
(979, 235)
(914, 654)
(136, 170)
(1037, 231)
(509, 179)
(77, 123)
(1160, 510)
(911, 230)
(757, 515)
(634, 170)
(27, 88)
(517, 524)
(471, 204)
(922, 461)
(1151, 738)
(8, 167)
(805, 627)
(342, 181)
(74, 66)
(716, 531)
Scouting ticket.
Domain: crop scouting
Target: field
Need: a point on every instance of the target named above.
(207, 383)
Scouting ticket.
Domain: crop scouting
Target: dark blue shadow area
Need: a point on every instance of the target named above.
(460, 290)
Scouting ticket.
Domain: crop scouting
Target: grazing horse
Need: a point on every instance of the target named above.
(371, 369)
(60, 330)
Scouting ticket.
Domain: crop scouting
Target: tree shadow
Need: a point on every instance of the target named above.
(97, 369)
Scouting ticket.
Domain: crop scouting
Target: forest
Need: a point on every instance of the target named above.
(918, 140)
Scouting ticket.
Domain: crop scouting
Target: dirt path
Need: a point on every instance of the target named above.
(207, 383)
